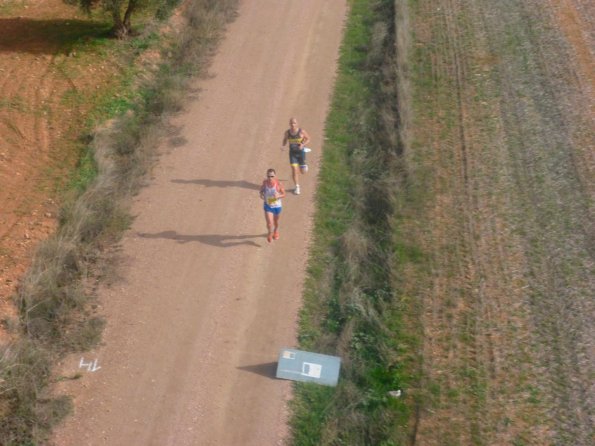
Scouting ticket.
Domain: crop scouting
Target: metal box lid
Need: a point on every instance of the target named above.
(298, 365)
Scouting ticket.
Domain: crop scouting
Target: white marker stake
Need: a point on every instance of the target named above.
(91, 366)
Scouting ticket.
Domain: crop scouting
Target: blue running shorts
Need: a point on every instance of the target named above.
(274, 211)
(297, 157)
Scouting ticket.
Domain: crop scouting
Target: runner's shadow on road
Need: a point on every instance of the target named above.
(268, 370)
(220, 183)
(220, 241)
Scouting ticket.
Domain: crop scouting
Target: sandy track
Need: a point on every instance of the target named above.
(204, 304)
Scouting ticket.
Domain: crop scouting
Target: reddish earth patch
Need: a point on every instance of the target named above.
(38, 126)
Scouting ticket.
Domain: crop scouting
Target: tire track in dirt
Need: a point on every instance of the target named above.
(477, 350)
(444, 351)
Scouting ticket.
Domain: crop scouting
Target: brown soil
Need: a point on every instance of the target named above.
(36, 127)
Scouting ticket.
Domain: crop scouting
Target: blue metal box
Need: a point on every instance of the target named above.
(298, 365)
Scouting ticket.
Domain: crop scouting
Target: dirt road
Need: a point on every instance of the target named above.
(204, 303)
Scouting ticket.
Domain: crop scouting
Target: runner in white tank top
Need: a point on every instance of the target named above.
(272, 191)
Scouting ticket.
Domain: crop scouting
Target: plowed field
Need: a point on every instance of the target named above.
(508, 124)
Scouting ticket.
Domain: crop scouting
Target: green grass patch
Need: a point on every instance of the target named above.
(85, 173)
(351, 305)
(15, 103)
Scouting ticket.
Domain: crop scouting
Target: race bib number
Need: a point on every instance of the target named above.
(271, 201)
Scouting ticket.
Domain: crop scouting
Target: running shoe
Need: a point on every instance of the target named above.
(276, 235)
(297, 189)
